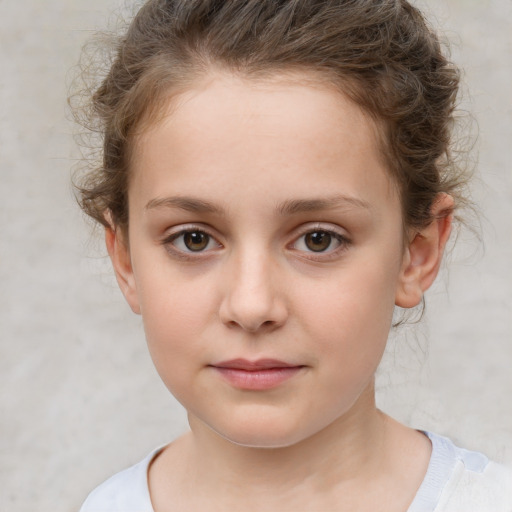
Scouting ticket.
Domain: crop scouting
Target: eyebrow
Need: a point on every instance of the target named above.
(295, 206)
(289, 207)
(189, 204)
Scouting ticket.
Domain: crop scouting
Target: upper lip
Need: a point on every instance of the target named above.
(260, 364)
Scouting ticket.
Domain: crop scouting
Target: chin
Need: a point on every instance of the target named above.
(259, 441)
(264, 435)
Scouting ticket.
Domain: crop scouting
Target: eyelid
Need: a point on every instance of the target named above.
(333, 229)
(174, 233)
(327, 227)
(339, 233)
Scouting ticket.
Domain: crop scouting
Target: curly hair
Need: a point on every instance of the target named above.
(382, 54)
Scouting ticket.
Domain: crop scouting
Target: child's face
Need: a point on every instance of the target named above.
(264, 226)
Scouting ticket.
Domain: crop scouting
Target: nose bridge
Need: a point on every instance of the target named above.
(252, 299)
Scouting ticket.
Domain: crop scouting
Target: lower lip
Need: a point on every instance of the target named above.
(258, 380)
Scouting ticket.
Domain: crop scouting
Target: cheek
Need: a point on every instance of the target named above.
(170, 298)
(171, 319)
(172, 336)
(176, 312)
(350, 316)
(359, 299)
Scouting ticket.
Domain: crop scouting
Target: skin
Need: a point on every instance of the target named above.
(255, 167)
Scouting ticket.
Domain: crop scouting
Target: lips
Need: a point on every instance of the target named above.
(257, 375)
(260, 364)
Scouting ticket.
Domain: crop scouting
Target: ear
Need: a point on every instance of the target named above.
(121, 261)
(424, 253)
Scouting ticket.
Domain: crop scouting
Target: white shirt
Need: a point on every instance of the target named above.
(457, 480)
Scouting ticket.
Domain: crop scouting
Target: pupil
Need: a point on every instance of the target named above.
(318, 241)
(195, 240)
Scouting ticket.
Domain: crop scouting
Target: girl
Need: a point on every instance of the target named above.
(276, 178)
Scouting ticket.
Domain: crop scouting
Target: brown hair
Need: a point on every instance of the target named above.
(381, 53)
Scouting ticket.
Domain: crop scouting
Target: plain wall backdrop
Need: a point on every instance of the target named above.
(79, 398)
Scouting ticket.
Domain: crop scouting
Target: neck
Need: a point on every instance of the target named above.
(348, 448)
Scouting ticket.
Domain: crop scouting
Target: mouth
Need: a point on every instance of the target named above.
(257, 375)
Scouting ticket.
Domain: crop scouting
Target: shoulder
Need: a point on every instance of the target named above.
(126, 491)
(488, 489)
(460, 480)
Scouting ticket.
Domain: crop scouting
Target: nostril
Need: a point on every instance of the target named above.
(267, 325)
(252, 309)
(246, 326)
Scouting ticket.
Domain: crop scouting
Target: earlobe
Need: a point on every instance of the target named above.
(121, 261)
(424, 253)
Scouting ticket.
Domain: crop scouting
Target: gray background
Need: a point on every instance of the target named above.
(79, 398)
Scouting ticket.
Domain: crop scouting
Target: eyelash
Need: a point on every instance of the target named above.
(169, 243)
(325, 255)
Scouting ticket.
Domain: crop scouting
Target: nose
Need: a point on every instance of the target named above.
(252, 300)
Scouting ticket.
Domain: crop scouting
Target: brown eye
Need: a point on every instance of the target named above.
(318, 241)
(196, 241)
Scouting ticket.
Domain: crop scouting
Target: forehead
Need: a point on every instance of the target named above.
(291, 128)
(295, 95)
